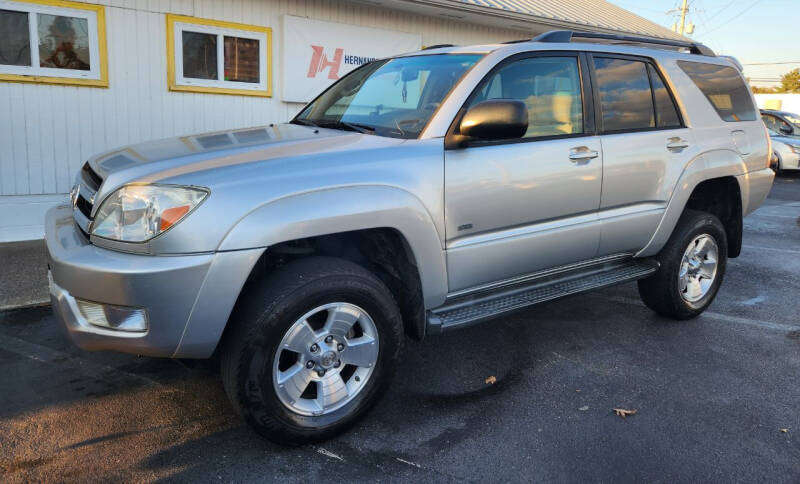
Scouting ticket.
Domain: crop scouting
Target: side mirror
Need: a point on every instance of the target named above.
(786, 129)
(496, 119)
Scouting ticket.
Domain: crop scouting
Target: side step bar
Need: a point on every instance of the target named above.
(468, 310)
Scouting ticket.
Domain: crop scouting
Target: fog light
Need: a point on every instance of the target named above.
(120, 318)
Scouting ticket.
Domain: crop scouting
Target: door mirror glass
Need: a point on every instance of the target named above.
(496, 119)
(786, 129)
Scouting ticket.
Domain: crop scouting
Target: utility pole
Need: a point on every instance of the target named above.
(683, 16)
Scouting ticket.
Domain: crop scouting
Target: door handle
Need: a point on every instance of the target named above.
(583, 156)
(582, 153)
(677, 144)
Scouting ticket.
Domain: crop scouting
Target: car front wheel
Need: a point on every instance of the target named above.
(311, 350)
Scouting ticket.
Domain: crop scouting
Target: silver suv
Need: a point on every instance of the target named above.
(417, 195)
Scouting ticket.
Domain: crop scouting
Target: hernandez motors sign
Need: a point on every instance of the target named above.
(316, 53)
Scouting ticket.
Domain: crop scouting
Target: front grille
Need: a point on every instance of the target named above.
(84, 206)
(90, 177)
(90, 182)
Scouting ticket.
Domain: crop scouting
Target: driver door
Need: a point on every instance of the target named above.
(520, 206)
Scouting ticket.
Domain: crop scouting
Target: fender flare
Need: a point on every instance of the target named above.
(707, 166)
(347, 209)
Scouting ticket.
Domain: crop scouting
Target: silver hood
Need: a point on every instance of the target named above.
(179, 157)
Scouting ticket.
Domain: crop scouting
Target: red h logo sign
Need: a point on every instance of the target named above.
(319, 62)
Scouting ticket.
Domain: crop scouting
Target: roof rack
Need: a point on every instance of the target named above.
(565, 36)
(438, 46)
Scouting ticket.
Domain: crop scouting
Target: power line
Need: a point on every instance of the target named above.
(734, 17)
(713, 16)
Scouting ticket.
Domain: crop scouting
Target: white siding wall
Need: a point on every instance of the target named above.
(47, 131)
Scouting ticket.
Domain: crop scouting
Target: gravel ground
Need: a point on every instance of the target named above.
(716, 398)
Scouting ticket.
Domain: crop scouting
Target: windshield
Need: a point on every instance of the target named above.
(393, 97)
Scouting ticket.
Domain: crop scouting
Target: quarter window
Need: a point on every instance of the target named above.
(57, 42)
(626, 101)
(724, 88)
(550, 87)
(218, 57)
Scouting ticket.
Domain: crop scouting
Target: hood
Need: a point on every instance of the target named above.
(153, 161)
(190, 148)
(792, 140)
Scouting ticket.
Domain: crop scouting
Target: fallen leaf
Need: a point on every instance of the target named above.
(785, 431)
(491, 380)
(621, 412)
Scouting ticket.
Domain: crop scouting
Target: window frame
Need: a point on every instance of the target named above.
(96, 76)
(176, 24)
(634, 58)
(587, 101)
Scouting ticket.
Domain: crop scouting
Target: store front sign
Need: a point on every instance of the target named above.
(317, 53)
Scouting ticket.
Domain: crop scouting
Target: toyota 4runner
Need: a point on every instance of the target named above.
(417, 195)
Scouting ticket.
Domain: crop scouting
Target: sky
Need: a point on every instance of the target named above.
(753, 31)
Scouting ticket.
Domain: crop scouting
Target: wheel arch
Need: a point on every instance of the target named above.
(712, 182)
(369, 225)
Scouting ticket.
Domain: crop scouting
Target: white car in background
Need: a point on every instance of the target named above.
(786, 150)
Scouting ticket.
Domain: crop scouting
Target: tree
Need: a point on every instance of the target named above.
(790, 82)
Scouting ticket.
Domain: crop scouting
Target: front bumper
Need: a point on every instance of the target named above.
(188, 298)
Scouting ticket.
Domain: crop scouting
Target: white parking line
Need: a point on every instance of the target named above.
(719, 316)
(776, 249)
(330, 454)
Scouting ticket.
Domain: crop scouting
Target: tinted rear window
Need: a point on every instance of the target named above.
(724, 88)
(625, 98)
(666, 113)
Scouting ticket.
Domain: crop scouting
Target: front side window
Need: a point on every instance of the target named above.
(550, 87)
(43, 43)
(792, 118)
(393, 97)
(626, 101)
(724, 88)
(218, 57)
(774, 123)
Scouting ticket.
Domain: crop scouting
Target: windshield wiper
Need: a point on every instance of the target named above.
(305, 122)
(361, 128)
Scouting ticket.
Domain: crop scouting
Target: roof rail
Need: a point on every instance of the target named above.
(564, 36)
(438, 46)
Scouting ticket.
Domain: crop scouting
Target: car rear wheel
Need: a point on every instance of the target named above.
(311, 350)
(692, 268)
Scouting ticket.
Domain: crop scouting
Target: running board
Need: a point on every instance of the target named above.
(474, 308)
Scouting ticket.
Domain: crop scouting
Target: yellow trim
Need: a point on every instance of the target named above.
(172, 83)
(102, 51)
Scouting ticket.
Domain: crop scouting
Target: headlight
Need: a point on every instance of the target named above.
(137, 213)
(794, 148)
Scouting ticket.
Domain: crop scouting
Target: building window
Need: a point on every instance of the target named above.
(218, 57)
(53, 42)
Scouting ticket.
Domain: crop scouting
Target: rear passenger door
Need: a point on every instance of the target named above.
(645, 145)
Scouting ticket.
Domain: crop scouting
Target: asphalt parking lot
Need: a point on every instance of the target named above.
(717, 398)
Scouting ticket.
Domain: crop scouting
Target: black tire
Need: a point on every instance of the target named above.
(260, 321)
(777, 167)
(661, 291)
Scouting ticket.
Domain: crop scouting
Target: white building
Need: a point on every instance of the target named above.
(78, 78)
